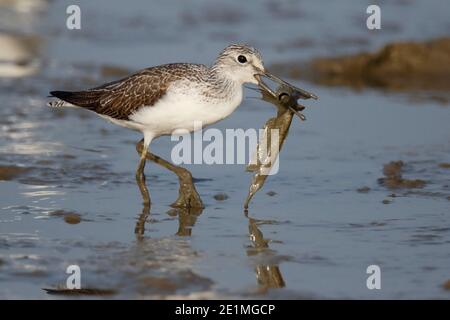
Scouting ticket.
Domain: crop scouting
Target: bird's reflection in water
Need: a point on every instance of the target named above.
(187, 215)
(267, 275)
(186, 219)
(142, 218)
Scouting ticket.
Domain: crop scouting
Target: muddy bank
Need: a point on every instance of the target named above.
(399, 66)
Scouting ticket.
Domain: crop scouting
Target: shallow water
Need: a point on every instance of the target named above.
(76, 200)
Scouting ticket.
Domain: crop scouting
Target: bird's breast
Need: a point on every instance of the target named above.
(186, 109)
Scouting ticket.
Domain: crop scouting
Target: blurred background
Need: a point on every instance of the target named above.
(365, 180)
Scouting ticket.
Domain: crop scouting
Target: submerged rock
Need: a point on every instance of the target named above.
(221, 196)
(393, 177)
(364, 189)
(11, 172)
(69, 217)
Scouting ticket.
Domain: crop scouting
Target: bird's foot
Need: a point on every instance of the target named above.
(188, 196)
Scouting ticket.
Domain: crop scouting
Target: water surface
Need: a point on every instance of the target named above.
(74, 199)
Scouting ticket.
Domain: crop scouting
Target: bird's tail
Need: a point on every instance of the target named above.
(84, 99)
(59, 101)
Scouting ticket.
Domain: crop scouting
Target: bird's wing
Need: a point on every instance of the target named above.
(120, 99)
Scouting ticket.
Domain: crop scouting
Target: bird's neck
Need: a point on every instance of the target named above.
(223, 83)
(219, 72)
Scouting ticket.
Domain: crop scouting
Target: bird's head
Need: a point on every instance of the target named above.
(240, 63)
(244, 64)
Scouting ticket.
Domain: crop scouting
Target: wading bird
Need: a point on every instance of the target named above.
(170, 98)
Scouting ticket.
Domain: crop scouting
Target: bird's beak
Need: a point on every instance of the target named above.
(262, 73)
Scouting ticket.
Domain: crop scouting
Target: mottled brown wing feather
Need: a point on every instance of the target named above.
(120, 99)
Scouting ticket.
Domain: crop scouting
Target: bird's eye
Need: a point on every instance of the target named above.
(242, 59)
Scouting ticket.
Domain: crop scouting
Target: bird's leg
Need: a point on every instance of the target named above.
(140, 177)
(140, 180)
(188, 196)
(142, 150)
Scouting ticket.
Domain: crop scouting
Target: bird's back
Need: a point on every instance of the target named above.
(120, 99)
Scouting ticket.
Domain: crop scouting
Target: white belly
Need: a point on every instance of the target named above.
(178, 112)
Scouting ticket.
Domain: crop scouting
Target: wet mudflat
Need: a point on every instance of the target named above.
(365, 180)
